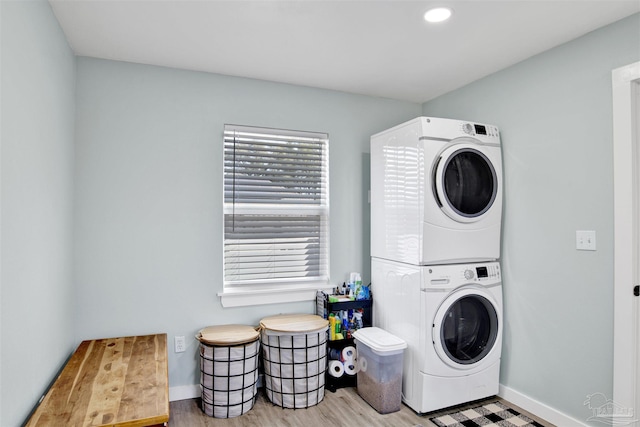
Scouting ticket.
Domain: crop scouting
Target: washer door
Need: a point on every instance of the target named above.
(465, 183)
(466, 327)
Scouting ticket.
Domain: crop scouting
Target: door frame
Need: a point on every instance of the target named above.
(625, 81)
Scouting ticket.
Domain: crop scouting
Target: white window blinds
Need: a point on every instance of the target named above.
(276, 213)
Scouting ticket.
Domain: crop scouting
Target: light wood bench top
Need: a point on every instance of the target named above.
(110, 382)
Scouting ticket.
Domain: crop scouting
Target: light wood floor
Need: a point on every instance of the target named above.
(342, 408)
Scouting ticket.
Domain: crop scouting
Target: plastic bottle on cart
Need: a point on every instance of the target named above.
(345, 323)
(332, 327)
(357, 319)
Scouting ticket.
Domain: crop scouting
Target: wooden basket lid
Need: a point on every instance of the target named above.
(227, 334)
(294, 323)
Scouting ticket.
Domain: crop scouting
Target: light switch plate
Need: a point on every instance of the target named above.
(585, 240)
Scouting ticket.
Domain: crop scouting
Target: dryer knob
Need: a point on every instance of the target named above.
(468, 274)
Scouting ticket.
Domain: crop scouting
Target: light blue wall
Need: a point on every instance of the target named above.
(37, 299)
(149, 193)
(555, 115)
(147, 228)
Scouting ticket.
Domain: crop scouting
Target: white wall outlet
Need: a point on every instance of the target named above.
(585, 240)
(180, 345)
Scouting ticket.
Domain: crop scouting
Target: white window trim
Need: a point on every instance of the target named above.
(248, 297)
(278, 291)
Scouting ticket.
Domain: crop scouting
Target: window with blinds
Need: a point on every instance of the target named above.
(276, 209)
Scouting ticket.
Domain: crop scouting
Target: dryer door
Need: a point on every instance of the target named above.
(465, 183)
(466, 327)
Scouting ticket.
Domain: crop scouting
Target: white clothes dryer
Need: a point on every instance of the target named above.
(436, 192)
(451, 318)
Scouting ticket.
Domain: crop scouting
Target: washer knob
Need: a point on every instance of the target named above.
(469, 274)
(467, 128)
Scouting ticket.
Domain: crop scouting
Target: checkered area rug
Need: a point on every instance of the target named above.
(488, 415)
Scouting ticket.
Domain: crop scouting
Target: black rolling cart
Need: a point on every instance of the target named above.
(324, 308)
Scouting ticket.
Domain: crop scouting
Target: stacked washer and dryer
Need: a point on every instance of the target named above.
(436, 213)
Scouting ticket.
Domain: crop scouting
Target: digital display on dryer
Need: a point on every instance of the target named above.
(482, 272)
(480, 130)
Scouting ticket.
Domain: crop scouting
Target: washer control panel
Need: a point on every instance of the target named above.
(479, 273)
(490, 271)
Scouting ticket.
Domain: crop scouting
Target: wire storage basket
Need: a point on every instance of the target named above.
(294, 353)
(228, 369)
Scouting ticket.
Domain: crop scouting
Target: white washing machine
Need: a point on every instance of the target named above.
(436, 192)
(451, 318)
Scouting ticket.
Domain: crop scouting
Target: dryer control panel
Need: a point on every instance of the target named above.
(474, 129)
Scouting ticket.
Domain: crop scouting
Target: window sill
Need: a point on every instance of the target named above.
(245, 297)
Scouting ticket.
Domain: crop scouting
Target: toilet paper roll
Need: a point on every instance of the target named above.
(362, 363)
(350, 368)
(336, 368)
(349, 353)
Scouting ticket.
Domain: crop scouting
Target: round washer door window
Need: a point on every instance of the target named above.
(465, 183)
(465, 329)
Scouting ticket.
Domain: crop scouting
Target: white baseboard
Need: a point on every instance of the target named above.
(183, 392)
(539, 409)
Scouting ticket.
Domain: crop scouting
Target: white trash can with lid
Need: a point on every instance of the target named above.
(379, 380)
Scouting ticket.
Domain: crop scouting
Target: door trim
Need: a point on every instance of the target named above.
(625, 169)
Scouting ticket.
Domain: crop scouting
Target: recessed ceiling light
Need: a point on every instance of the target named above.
(437, 14)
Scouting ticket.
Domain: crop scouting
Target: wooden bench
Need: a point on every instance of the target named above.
(110, 382)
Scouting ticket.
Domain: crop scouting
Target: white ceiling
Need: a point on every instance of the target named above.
(373, 47)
